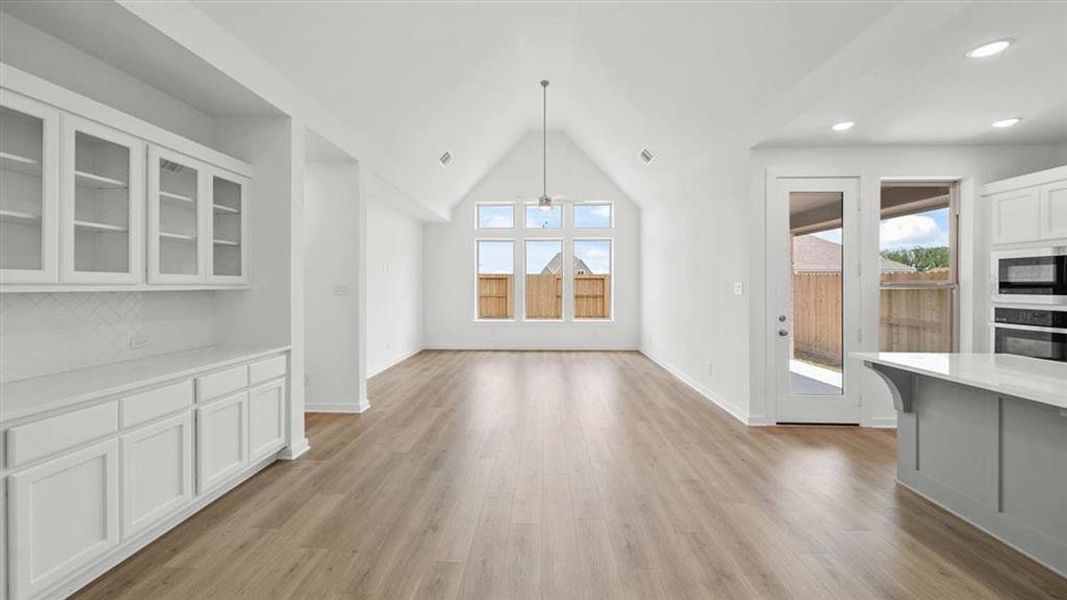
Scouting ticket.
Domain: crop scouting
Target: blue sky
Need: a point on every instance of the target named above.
(592, 216)
(544, 219)
(927, 229)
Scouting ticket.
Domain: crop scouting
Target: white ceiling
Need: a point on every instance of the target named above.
(685, 80)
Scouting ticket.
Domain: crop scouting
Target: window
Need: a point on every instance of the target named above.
(544, 279)
(496, 268)
(567, 261)
(917, 277)
(592, 216)
(544, 219)
(496, 216)
(592, 279)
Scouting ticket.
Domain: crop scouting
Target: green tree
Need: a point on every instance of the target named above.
(922, 259)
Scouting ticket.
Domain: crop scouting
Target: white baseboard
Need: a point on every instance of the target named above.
(295, 451)
(881, 423)
(85, 575)
(735, 411)
(393, 363)
(347, 409)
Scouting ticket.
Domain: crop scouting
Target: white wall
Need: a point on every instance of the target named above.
(334, 375)
(695, 241)
(394, 285)
(974, 166)
(449, 295)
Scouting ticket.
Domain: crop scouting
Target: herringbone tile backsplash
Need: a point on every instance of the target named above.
(48, 333)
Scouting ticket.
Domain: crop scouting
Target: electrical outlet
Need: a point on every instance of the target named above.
(138, 341)
(342, 289)
(739, 288)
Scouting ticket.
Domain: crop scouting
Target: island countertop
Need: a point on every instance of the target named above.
(1023, 377)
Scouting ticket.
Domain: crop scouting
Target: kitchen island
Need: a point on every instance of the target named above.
(985, 437)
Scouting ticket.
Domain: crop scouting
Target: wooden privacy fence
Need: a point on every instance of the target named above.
(817, 317)
(592, 296)
(494, 297)
(544, 296)
(911, 319)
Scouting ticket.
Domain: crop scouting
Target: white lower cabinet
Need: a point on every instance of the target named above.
(266, 419)
(221, 440)
(157, 472)
(62, 514)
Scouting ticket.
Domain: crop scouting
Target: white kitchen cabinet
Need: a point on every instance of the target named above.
(157, 472)
(1016, 216)
(179, 208)
(1053, 218)
(229, 228)
(266, 419)
(221, 440)
(102, 190)
(62, 514)
(29, 190)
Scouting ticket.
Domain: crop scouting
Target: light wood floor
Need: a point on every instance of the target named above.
(571, 475)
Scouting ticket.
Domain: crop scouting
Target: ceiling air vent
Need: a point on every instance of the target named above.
(646, 156)
(445, 159)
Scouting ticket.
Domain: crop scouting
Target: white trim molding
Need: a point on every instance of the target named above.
(735, 411)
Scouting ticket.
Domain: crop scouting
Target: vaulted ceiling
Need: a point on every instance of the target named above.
(680, 79)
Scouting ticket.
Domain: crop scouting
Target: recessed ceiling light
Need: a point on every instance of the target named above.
(989, 49)
(445, 159)
(646, 156)
(843, 125)
(1001, 124)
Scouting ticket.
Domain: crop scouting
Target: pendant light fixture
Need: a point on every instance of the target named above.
(544, 202)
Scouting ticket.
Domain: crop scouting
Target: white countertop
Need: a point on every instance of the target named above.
(29, 397)
(1042, 381)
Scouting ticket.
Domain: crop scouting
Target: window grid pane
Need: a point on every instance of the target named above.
(496, 269)
(544, 279)
(592, 279)
(544, 219)
(592, 216)
(496, 216)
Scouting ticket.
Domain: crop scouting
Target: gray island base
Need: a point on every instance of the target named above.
(985, 437)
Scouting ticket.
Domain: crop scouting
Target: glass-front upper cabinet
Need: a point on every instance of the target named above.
(178, 213)
(229, 228)
(29, 198)
(102, 191)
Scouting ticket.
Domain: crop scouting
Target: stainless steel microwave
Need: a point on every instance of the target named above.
(1030, 276)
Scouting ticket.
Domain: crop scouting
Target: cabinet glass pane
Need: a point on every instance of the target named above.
(21, 190)
(101, 205)
(178, 223)
(227, 242)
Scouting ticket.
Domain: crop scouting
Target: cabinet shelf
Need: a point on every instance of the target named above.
(177, 236)
(226, 243)
(223, 209)
(19, 217)
(19, 164)
(100, 227)
(98, 182)
(176, 198)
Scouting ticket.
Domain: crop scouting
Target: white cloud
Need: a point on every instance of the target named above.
(910, 231)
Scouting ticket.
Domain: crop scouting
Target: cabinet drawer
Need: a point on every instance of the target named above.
(49, 436)
(152, 404)
(223, 382)
(265, 370)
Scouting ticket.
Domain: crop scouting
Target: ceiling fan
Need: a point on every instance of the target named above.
(544, 201)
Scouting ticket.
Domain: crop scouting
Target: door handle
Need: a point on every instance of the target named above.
(783, 333)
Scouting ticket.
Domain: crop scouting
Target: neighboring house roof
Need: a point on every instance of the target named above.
(814, 254)
(554, 266)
